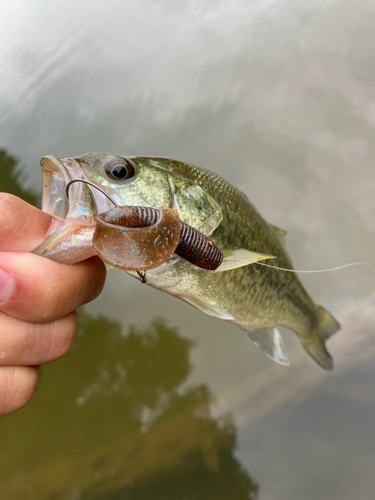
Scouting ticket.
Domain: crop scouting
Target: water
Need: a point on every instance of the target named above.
(157, 400)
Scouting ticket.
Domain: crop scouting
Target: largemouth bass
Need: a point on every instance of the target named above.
(254, 297)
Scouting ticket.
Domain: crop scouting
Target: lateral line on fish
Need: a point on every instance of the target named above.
(318, 270)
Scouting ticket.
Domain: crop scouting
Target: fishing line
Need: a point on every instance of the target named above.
(143, 277)
(90, 184)
(318, 270)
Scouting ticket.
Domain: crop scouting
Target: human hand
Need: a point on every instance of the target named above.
(38, 298)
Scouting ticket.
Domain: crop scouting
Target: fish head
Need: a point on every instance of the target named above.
(129, 181)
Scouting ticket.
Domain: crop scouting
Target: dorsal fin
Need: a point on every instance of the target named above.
(280, 233)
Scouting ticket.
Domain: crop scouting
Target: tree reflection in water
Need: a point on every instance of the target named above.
(10, 177)
(115, 419)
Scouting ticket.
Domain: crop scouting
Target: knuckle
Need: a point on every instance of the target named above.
(25, 343)
(56, 300)
(61, 337)
(98, 277)
(9, 207)
(17, 386)
(8, 216)
(53, 290)
(14, 219)
(8, 198)
(50, 341)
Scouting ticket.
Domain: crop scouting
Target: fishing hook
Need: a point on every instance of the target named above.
(90, 184)
(141, 274)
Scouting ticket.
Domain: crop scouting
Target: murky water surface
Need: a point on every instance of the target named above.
(157, 400)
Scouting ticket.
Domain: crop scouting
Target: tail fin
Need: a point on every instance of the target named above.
(315, 344)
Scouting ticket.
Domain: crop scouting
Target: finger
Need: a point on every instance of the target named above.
(41, 290)
(22, 226)
(24, 343)
(17, 386)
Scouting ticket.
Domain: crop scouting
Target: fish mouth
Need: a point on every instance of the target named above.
(69, 239)
(56, 177)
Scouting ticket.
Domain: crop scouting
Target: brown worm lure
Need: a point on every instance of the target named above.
(143, 238)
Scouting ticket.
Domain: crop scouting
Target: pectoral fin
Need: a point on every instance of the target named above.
(271, 343)
(195, 205)
(238, 257)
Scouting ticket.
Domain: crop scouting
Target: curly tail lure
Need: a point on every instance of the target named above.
(143, 238)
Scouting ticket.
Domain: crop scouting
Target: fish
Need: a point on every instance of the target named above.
(256, 298)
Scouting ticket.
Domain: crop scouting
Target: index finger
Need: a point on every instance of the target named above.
(22, 226)
(39, 290)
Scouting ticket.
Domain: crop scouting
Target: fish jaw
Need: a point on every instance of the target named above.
(55, 179)
(69, 244)
(69, 239)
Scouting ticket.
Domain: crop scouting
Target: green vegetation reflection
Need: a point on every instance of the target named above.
(115, 420)
(11, 177)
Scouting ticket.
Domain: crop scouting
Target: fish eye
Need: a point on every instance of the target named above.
(119, 169)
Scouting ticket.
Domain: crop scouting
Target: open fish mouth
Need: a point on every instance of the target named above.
(55, 180)
(69, 239)
(57, 173)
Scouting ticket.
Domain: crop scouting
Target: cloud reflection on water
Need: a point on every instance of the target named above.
(278, 97)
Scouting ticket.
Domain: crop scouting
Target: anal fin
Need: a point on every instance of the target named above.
(271, 343)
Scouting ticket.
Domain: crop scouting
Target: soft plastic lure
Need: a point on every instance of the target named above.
(143, 238)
